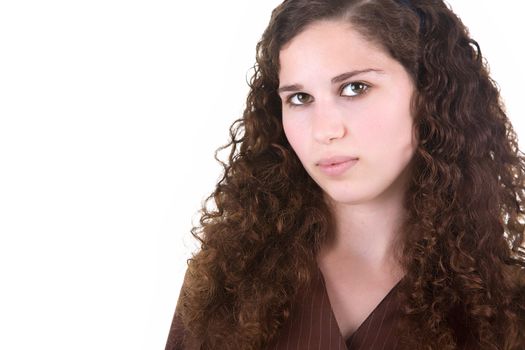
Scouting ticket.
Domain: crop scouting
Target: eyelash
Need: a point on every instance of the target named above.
(365, 90)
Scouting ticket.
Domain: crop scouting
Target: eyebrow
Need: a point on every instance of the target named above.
(335, 80)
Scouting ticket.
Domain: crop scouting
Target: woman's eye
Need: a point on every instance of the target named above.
(349, 90)
(355, 89)
(298, 99)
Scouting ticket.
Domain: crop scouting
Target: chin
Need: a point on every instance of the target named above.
(343, 197)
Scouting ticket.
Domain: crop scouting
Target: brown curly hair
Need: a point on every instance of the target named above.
(463, 236)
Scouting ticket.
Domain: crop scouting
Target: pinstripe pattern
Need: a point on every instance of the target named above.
(375, 331)
(314, 310)
(382, 321)
(312, 325)
(320, 323)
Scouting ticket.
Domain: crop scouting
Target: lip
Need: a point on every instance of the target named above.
(335, 160)
(334, 169)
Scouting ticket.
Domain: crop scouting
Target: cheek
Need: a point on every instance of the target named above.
(294, 135)
(386, 130)
(297, 137)
(400, 138)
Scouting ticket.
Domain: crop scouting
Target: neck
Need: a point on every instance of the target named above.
(366, 234)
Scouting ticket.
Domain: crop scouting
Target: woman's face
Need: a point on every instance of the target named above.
(344, 96)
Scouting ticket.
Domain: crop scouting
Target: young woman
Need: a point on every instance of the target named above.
(373, 196)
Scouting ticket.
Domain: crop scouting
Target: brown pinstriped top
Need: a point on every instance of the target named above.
(312, 325)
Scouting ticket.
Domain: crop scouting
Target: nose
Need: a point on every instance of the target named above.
(327, 122)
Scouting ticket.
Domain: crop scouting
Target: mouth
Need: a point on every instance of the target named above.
(338, 168)
(335, 160)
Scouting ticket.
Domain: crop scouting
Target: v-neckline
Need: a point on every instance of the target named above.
(349, 339)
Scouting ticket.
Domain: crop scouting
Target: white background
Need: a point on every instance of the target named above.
(110, 112)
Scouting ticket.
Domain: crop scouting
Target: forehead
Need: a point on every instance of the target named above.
(328, 47)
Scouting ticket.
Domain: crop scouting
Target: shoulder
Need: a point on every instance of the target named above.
(176, 334)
